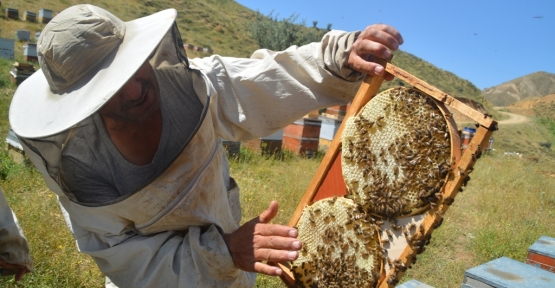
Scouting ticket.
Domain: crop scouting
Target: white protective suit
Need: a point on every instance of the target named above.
(14, 248)
(168, 234)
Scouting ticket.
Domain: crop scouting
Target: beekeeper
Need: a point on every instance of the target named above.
(127, 132)
(14, 249)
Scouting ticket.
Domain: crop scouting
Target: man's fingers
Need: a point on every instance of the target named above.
(275, 230)
(269, 213)
(262, 268)
(277, 242)
(371, 50)
(275, 255)
(383, 34)
(363, 65)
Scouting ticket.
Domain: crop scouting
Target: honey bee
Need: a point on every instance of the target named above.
(389, 233)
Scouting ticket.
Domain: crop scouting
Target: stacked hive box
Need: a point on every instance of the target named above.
(232, 148)
(330, 126)
(20, 72)
(466, 137)
(22, 35)
(507, 273)
(542, 254)
(12, 13)
(302, 136)
(7, 47)
(29, 16)
(337, 112)
(267, 145)
(30, 52)
(45, 15)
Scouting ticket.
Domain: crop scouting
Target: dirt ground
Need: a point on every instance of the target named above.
(513, 119)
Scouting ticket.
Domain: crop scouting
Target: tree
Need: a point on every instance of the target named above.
(271, 33)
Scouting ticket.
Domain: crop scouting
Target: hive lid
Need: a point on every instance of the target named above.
(506, 272)
(544, 246)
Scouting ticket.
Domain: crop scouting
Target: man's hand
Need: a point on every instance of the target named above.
(258, 241)
(11, 269)
(374, 42)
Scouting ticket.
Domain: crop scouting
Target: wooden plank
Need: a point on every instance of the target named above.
(333, 184)
(450, 101)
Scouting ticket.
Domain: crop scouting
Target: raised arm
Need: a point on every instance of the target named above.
(256, 97)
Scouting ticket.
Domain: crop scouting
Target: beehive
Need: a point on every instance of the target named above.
(340, 246)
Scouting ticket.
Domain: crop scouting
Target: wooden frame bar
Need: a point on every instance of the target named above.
(434, 217)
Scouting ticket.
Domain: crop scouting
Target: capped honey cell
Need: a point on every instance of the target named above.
(341, 246)
(397, 168)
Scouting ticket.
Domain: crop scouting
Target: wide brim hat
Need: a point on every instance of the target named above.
(45, 104)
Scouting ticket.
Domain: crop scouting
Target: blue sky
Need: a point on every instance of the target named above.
(487, 42)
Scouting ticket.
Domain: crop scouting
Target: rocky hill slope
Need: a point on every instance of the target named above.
(532, 85)
(531, 106)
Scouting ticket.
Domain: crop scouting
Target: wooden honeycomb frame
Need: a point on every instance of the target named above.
(328, 180)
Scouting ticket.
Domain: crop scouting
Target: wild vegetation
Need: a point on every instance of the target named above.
(275, 34)
(507, 205)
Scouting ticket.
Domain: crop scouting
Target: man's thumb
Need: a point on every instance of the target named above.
(269, 213)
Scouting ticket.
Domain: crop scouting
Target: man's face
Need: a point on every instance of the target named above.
(137, 100)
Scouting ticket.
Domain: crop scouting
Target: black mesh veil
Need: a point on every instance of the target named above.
(46, 152)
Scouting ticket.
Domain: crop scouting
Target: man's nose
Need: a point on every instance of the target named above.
(132, 90)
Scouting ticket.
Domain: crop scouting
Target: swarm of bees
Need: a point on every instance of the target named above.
(396, 159)
(396, 153)
(340, 246)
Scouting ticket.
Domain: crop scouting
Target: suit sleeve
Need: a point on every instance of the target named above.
(14, 248)
(256, 97)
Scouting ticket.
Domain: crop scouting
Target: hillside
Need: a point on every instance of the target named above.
(529, 106)
(446, 81)
(532, 85)
(222, 26)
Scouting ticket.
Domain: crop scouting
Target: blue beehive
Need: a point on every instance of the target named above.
(7, 47)
(507, 273)
(45, 15)
(22, 35)
(542, 254)
(413, 284)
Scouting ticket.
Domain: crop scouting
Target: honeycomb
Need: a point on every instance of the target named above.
(341, 246)
(396, 153)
